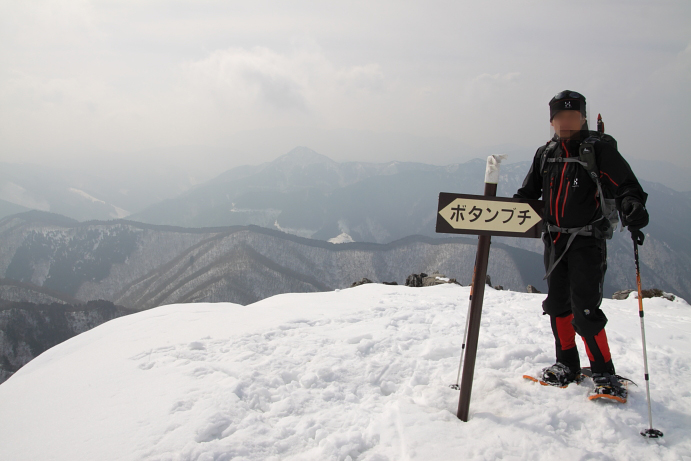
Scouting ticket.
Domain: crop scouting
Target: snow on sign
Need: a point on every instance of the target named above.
(482, 215)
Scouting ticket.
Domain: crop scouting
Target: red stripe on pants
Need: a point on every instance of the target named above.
(601, 341)
(567, 334)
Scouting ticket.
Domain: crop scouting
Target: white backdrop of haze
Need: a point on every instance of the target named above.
(211, 85)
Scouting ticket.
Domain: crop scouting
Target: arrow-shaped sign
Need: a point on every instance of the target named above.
(476, 214)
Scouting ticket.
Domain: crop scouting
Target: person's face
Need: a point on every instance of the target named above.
(566, 123)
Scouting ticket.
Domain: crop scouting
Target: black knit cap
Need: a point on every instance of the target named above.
(566, 100)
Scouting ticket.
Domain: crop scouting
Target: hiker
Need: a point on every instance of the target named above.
(575, 234)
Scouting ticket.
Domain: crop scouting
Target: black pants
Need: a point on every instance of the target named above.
(573, 301)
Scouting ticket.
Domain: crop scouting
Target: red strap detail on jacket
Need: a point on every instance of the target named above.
(566, 332)
(608, 177)
(563, 205)
(561, 185)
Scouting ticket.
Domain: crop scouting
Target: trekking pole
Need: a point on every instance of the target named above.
(457, 386)
(650, 432)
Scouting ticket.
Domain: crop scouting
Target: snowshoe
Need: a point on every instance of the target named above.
(558, 375)
(612, 387)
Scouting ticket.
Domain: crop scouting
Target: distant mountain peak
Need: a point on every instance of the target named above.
(45, 217)
(303, 156)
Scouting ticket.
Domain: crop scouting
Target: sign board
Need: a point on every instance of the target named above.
(483, 215)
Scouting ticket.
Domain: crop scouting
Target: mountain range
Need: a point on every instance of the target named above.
(305, 194)
(142, 266)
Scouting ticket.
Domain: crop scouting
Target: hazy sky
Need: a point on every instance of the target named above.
(243, 82)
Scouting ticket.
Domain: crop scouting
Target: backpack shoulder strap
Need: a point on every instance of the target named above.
(586, 154)
(547, 151)
(587, 157)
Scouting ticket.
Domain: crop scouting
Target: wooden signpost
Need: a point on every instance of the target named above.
(484, 216)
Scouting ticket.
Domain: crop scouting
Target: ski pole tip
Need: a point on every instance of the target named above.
(651, 433)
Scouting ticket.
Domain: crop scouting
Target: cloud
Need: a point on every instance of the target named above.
(130, 75)
(259, 87)
(494, 89)
(244, 77)
(295, 81)
(497, 78)
(677, 71)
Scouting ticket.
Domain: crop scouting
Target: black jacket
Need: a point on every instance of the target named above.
(570, 195)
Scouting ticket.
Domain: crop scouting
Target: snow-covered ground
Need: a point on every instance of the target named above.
(359, 374)
(342, 238)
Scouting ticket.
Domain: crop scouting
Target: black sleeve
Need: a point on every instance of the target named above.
(532, 184)
(617, 176)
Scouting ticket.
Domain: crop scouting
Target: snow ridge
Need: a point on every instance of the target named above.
(355, 374)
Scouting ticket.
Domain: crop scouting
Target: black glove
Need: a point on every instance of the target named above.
(637, 236)
(635, 216)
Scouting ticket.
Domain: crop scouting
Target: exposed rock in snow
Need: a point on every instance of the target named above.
(622, 294)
